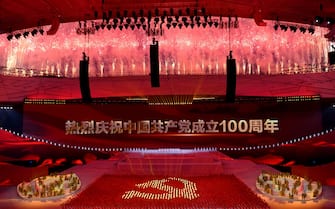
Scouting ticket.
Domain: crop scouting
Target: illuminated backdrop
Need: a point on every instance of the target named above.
(258, 50)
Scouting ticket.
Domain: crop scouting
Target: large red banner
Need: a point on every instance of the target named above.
(183, 126)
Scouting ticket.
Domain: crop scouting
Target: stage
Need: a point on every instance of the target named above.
(208, 170)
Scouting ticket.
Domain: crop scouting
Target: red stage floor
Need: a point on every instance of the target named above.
(224, 191)
(211, 187)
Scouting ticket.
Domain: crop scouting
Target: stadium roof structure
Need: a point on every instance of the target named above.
(20, 14)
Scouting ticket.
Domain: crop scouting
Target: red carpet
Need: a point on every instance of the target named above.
(224, 191)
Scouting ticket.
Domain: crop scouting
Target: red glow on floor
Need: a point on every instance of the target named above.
(5, 182)
(77, 162)
(290, 163)
(33, 157)
(331, 181)
(269, 160)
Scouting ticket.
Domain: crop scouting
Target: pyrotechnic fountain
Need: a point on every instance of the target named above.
(198, 50)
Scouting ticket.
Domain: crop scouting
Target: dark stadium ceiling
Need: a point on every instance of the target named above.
(21, 14)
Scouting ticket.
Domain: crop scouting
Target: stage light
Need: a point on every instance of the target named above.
(204, 25)
(118, 15)
(156, 20)
(210, 23)
(169, 19)
(156, 12)
(125, 13)
(10, 37)
(276, 26)
(102, 26)
(134, 16)
(128, 20)
(330, 21)
(180, 12)
(168, 25)
(132, 27)
(180, 25)
(236, 25)
(120, 27)
(149, 16)
(216, 24)
(184, 19)
(302, 30)
(114, 26)
(188, 11)
(109, 27)
(198, 24)
(186, 24)
(97, 27)
(293, 28)
(192, 25)
(126, 26)
(18, 35)
(25, 34)
(174, 24)
(142, 20)
(121, 20)
(206, 18)
(318, 20)
(192, 18)
(34, 32)
(171, 11)
(104, 17)
(311, 30)
(138, 25)
(283, 27)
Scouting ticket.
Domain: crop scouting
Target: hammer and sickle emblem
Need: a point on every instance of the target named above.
(167, 192)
